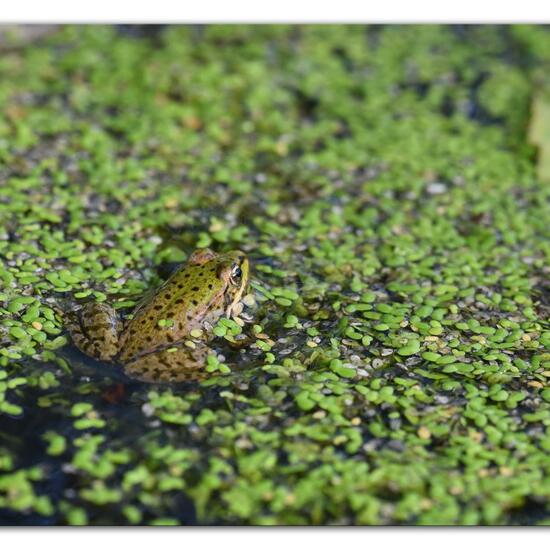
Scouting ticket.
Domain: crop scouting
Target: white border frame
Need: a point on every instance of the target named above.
(279, 11)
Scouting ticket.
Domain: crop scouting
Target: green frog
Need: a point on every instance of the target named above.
(155, 344)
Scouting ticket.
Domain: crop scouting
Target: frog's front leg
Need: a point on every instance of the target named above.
(95, 330)
(176, 364)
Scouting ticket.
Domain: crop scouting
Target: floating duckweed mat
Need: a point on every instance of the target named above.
(380, 181)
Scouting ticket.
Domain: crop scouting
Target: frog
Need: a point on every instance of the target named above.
(166, 338)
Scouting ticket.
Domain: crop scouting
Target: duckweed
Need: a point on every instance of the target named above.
(391, 363)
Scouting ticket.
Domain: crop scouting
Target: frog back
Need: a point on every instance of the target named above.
(191, 297)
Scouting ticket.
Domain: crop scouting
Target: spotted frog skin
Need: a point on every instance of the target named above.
(152, 345)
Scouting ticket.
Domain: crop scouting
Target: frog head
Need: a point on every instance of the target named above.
(233, 271)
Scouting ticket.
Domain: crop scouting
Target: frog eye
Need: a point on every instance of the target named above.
(236, 272)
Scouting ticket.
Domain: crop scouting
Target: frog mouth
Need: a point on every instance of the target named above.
(234, 300)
